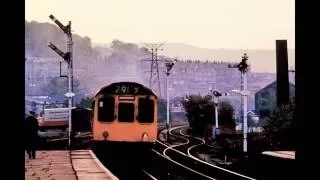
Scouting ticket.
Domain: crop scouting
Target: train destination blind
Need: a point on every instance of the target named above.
(126, 89)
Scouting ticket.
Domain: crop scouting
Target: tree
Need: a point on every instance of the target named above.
(85, 102)
(279, 126)
(225, 113)
(57, 87)
(251, 122)
(200, 112)
(162, 110)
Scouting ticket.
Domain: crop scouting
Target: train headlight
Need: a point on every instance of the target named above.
(145, 137)
(105, 134)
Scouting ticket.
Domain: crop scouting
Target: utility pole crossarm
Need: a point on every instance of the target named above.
(154, 46)
(151, 60)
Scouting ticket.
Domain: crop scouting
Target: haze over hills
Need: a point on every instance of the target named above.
(261, 60)
(97, 65)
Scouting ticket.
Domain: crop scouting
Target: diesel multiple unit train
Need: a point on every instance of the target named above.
(124, 114)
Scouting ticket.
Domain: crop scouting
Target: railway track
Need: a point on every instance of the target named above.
(179, 157)
(175, 160)
(169, 161)
(80, 141)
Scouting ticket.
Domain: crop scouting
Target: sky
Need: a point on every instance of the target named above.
(214, 24)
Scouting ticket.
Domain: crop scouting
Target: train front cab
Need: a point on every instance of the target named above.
(128, 121)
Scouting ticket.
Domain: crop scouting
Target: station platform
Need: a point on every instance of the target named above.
(281, 154)
(66, 165)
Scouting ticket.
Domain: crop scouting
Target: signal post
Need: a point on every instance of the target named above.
(68, 58)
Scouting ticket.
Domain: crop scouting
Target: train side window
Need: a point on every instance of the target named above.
(126, 112)
(92, 113)
(92, 108)
(146, 110)
(106, 109)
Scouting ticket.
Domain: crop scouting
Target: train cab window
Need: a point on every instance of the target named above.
(126, 112)
(146, 110)
(106, 109)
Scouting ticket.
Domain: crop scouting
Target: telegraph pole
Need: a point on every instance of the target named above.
(243, 68)
(68, 58)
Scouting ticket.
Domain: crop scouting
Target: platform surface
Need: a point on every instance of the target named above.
(63, 165)
(281, 154)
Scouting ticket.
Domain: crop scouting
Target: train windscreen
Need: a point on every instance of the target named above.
(126, 112)
(146, 110)
(106, 109)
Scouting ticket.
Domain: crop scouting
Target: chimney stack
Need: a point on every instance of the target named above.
(282, 73)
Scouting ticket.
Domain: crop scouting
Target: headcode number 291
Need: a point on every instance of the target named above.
(125, 89)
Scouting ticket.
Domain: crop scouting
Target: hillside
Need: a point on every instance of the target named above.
(97, 66)
(260, 60)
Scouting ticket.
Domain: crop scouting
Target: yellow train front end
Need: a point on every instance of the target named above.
(125, 112)
(124, 123)
(125, 118)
